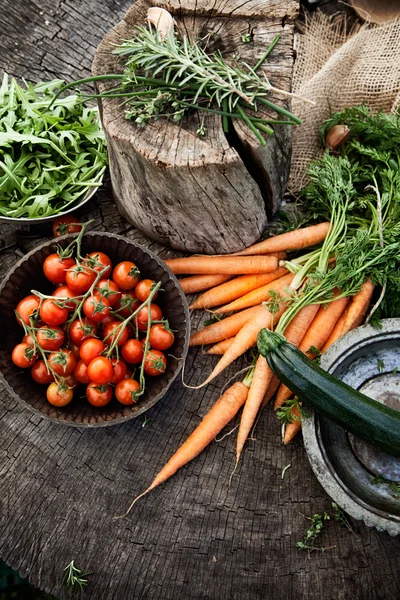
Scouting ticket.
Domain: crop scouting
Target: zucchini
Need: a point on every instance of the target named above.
(365, 418)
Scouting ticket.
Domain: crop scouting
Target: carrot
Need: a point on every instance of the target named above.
(223, 265)
(223, 329)
(261, 294)
(221, 347)
(316, 336)
(262, 377)
(292, 428)
(235, 289)
(213, 422)
(198, 283)
(293, 240)
(246, 338)
(354, 314)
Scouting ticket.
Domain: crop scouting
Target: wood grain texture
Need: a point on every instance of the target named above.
(194, 537)
(211, 194)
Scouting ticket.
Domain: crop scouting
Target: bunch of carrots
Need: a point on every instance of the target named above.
(254, 287)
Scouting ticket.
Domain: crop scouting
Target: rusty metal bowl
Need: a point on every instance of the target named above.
(28, 274)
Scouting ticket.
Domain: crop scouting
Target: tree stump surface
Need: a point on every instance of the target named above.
(194, 537)
(210, 194)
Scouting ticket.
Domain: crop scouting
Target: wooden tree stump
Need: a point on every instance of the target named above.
(211, 194)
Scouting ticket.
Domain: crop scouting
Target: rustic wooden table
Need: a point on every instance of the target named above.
(194, 537)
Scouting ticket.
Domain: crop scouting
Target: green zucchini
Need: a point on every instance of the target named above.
(365, 418)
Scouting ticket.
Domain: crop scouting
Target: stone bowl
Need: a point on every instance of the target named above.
(360, 478)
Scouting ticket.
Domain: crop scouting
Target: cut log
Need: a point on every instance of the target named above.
(211, 194)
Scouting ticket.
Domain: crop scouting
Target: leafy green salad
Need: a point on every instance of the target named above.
(50, 155)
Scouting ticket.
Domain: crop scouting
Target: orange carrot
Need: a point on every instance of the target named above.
(292, 428)
(221, 347)
(273, 386)
(293, 240)
(223, 265)
(213, 422)
(198, 283)
(316, 336)
(246, 338)
(354, 314)
(235, 289)
(223, 329)
(258, 295)
(261, 379)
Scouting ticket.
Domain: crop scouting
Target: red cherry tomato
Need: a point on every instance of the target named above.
(144, 289)
(120, 370)
(64, 225)
(75, 350)
(27, 308)
(81, 331)
(63, 293)
(111, 333)
(40, 373)
(143, 316)
(100, 370)
(155, 363)
(126, 275)
(109, 290)
(132, 352)
(127, 391)
(90, 349)
(109, 319)
(96, 308)
(62, 361)
(55, 268)
(127, 304)
(81, 372)
(70, 381)
(28, 339)
(79, 279)
(99, 395)
(50, 338)
(99, 261)
(161, 338)
(23, 356)
(59, 395)
(52, 314)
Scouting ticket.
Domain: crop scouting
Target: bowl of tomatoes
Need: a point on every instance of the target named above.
(95, 328)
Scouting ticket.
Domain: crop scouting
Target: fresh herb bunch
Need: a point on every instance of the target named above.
(166, 76)
(49, 157)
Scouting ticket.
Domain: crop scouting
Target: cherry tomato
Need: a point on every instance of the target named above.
(81, 331)
(99, 261)
(120, 370)
(161, 337)
(99, 395)
(79, 279)
(80, 372)
(127, 304)
(70, 381)
(28, 339)
(90, 349)
(126, 275)
(63, 293)
(127, 391)
(50, 338)
(111, 333)
(108, 289)
(59, 395)
(96, 308)
(27, 308)
(100, 370)
(132, 352)
(144, 288)
(55, 268)
(155, 363)
(52, 314)
(75, 350)
(143, 316)
(23, 356)
(40, 373)
(62, 225)
(62, 361)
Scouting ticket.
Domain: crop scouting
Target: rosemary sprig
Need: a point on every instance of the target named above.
(73, 577)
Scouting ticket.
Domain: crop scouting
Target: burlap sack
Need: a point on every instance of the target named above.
(338, 70)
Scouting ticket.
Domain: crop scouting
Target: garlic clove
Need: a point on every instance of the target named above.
(336, 136)
(161, 19)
